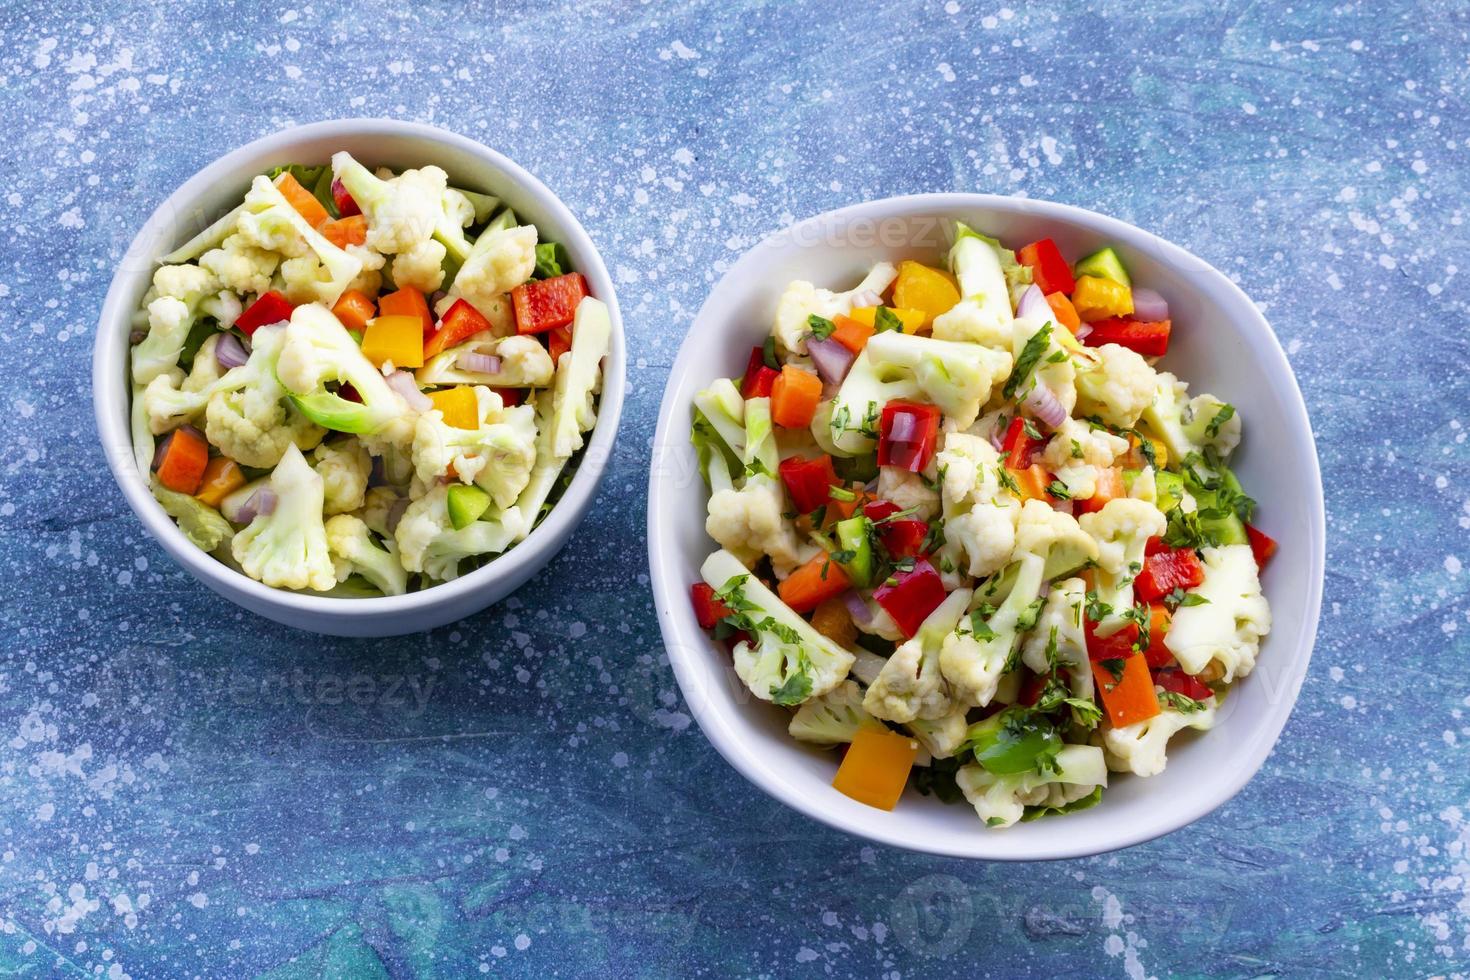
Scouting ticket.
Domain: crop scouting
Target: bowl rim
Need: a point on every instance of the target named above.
(109, 367)
(683, 642)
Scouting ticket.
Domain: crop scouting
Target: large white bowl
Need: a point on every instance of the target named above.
(1221, 344)
(219, 187)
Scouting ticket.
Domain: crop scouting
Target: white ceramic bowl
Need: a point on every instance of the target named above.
(1221, 344)
(219, 187)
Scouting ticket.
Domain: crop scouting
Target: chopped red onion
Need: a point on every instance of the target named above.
(1149, 305)
(904, 428)
(193, 432)
(395, 514)
(997, 438)
(831, 359)
(1064, 506)
(1083, 331)
(161, 450)
(229, 352)
(478, 363)
(261, 503)
(1043, 404)
(857, 608)
(434, 299)
(404, 383)
(1033, 305)
(867, 298)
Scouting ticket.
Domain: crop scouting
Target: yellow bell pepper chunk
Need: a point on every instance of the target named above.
(876, 767)
(1137, 460)
(912, 320)
(1096, 298)
(930, 291)
(399, 339)
(461, 409)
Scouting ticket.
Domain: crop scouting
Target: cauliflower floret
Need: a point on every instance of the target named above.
(1121, 529)
(1189, 426)
(1001, 800)
(910, 684)
(942, 736)
(185, 282)
(421, 266)
(579, 377)
(1053, 369)
(1077, 451)
(315, 270)
(240, 266)
(1139, 748)
(500, 260)
(427, 541)
(353, 550)
(205, 370)
(971, 321)
(287, 548)
(252, 423)
(749, 522)
(524, 363)
(1226, 629)
(909, 491)
(979, 517)
(402, 212)
(497, 457)
(801, 300)
(377, 506)
(370, 280)
(224, 306)
(344, 467)
(178, 291)
(832, 718)
(1067, 646)
(1115, 384)
(319, 350)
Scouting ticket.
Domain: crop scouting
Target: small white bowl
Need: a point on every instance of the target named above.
(219, 187)
(1221, 344)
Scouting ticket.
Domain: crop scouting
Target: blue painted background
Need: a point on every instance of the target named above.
(186, 789)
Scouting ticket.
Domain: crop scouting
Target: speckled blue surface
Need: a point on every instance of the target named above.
(186, 789)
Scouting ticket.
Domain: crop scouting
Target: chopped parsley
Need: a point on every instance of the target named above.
(1030, 354)
(885, 319)
(821, 327)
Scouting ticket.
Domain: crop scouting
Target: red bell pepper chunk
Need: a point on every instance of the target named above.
(1181, 683)
(1159, 621)
(1149, 339)
(911, 596)
(1117, 646)
(708, 608)
(901, 538)
(907, 434)
(510, 397)
(346, 206)
(1031, 689)
(1167, 570)
(1048, 269)
(545, 304)
(808, 481)
(460, 322)
(269, 308)
(758, 376)
(558, 342)
(1021, 450)
(1263, 546)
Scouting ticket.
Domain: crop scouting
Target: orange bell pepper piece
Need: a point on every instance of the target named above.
(395, 338)
(345, 231)
(910, 320)
(850, 333)
(461, 322)
(1109, 487)
(222, 476)
(876, 767)
(408, 301)
(303, 200)
(794, 398)
(1064, 311)
(354, 308)
(833, 621)
(1130, 697)
(813, 583)
(185, 457)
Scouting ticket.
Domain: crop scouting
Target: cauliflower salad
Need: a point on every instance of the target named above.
(363, 383)
(970, 532)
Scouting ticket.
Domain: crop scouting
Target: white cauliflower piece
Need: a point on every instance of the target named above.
(749, 522)
(1188, 425)
(801, 300)
(579, 377)
(909, 491)
(344, 467)
(1077, 451)
(1115, 384)
(1227, 629)
(240, 266)
(500, 260)
(287, 548)
(1002, 800)
(252, 423)
(353, 550)
(832, 718)
(971, 321)
(911, 684)
(370, 280)
(420, 266)
(497, 456)
(315, 270)
(1139, 748)
(979, 516)
(1121, 529)
(427, 541)
(524, 363)
(402, 212)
